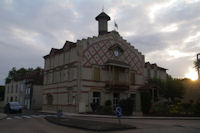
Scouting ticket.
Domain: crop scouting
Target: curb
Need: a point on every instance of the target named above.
(133, 117)
(98, 129)
(3, 116)
(142, 118)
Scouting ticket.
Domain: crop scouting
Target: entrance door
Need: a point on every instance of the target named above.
(116, 75)
(133, 97)
(116, 98)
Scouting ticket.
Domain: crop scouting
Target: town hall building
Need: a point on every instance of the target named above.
(96, 69)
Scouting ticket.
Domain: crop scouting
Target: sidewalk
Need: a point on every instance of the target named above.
(65, 114)
(2, 116)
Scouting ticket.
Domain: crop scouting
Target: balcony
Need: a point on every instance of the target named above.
(117, 85)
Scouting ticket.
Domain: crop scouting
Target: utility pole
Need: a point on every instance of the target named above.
(198, 65)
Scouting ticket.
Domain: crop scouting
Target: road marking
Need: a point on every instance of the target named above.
(50, 115)
(25, 116)
(17, 117)
(28, 117)
(8, 118)
(42, 115)
(35, 116)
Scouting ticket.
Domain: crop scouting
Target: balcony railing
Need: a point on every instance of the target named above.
(117, 85)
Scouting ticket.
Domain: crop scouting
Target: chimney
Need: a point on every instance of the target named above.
(103, 19)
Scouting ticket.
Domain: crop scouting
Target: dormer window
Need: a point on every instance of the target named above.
(116, 49)
(116, 52)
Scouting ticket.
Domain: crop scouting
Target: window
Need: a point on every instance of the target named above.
(116, 75)
(155, 74)
(22, 87)
(70, 97)
(8, 89)
(11, 99)
(70, 73)
(16, 88)
(53, 77)
(49, 99)
(28, 90)
(7, 100)
(16, 98)
(148, 74)
(133, 97)
(96, 97)
(48, 78)
(97, 73)
(116, 99)
(132, 78)
(12, 89)
(60, 75)
(21, 100)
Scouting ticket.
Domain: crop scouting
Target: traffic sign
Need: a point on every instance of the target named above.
(118, 112)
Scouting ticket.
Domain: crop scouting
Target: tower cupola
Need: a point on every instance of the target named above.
(103, 19)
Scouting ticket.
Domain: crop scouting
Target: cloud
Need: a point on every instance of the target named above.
(165, 31)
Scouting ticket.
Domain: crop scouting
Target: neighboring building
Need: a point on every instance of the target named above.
(95, 69)
(26, 89)
(154, 71)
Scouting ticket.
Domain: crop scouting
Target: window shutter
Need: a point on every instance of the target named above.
(132, 78)
(96, 73)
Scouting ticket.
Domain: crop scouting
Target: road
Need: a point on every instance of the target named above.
(35, 123)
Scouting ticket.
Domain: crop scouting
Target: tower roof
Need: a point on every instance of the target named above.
(103, 16)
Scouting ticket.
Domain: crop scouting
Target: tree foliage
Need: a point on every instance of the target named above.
(174, 88)
(145, 102)
(170, 89)
(15, 74)
(127, 106)
(197, 64)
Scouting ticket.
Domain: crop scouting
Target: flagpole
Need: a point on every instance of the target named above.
(115, 26)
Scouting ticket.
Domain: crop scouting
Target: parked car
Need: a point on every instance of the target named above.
(12, 107)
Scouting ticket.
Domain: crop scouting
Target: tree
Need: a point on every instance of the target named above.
(170, 89)
(126, 106)
(15, 74)
(174, 88)
(145, 102)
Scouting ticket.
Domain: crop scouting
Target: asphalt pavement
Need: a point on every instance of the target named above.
(37, 124)
(34, 122)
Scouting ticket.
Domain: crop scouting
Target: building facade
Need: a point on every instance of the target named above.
(14, 91)
(154, 71)
(97, 69)
(27, 90)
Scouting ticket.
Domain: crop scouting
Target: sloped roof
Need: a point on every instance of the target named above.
(103, 16)
(54, 51)
(154, 65)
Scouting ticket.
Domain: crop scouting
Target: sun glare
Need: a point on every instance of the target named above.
(192, 74)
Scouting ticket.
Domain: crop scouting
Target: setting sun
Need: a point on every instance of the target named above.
(192, 74)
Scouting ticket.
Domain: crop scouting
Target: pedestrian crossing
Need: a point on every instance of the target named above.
(27, 116)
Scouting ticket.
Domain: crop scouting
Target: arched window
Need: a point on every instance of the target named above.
(49, 99)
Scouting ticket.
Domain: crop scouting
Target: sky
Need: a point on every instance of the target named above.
(167, 32)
